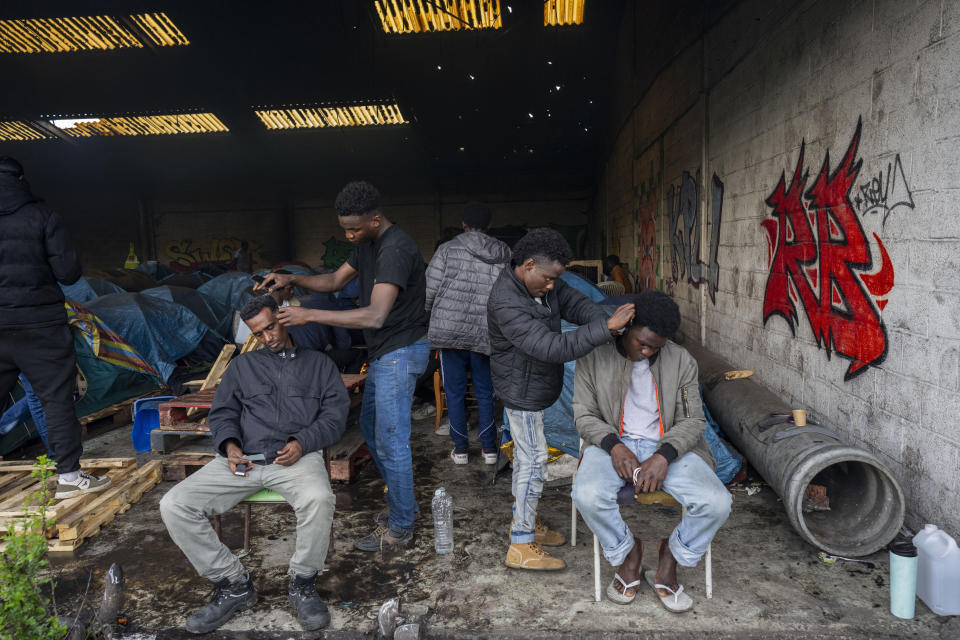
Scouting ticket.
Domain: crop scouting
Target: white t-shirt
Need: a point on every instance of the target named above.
(641, 415)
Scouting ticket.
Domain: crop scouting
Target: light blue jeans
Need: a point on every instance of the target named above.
(529, 462)
(385, 422)
(689, 479)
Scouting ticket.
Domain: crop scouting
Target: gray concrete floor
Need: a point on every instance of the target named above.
(768, 583)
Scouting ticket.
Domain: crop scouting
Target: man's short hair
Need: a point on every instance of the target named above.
(256, 305)
(611, 261)
(476, 215)
(357, 198)
(11, 166)
(542, 244)
(656, 311)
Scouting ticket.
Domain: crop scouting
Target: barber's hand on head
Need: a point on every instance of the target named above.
(293, 316)
(235, 457)
(289, 454)
(621, 317)
(273, 281)
(652, 472)
(624, 462)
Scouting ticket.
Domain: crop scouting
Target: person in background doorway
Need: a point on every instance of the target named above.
(392, 289)
(459, 278)
(243, 258)
(35, 339)
(524, 311)
(613, 270)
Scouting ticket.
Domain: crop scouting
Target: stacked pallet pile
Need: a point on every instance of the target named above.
(76, 519)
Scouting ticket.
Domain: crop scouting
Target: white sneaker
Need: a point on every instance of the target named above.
(458, 458)
(489, 458)
(83, 484)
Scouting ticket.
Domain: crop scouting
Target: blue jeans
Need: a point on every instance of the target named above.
(529, 463)
(454, 364)
(689, 479)
(385, 422)
(31, 404)
(36, 412)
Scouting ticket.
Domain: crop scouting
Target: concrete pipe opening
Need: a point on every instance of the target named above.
(866, 503)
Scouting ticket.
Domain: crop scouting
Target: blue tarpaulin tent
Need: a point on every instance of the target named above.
(162, 332)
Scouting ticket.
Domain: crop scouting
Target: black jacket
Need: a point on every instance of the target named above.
(266, 399)
(35, 254)
(528, 348)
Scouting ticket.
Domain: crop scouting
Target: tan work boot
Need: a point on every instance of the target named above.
(544, 536)
(530, 555)
(547, 537)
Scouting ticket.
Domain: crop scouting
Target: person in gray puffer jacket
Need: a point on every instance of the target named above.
(459, 279)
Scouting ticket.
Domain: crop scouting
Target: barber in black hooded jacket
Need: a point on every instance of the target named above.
(35, 254)
(526, 305)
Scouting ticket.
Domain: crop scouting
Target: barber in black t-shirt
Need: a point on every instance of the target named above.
(391, 313)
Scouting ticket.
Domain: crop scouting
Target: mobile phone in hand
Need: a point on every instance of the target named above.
(241, 469)
(258, 279)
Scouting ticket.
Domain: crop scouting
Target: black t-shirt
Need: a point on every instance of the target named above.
(394, 258)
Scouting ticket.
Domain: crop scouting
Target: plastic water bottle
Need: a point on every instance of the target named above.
(938, 574)
(442, 521)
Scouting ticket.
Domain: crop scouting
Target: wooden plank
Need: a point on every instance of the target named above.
(89, 463)
(10, 478)
(216, 371)
(251, 344)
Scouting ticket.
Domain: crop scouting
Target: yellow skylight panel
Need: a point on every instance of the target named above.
(160, 28)
(59, 35)
(425, 16)
(558, 13)
(358, 115)
(16, 130)
(142, 125)
(87, 33)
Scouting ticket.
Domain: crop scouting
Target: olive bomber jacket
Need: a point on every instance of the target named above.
(601, 383)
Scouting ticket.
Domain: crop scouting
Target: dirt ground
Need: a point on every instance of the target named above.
(768, 582)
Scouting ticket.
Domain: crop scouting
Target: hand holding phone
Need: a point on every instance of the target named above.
(241, 469)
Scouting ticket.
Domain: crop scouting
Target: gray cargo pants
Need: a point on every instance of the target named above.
(213, 490)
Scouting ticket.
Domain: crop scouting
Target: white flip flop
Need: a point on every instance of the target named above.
(622, 598)
(676, 602)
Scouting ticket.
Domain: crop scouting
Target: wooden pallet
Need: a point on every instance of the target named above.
(178, 466)
(120, 413)
(76, 519)
(348, 455)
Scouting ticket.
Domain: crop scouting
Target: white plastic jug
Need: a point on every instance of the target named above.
(938, 571)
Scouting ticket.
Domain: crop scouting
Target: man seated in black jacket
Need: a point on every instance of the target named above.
(524, 311)
(274, 410)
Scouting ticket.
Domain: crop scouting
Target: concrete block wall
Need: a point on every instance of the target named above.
(775, 75)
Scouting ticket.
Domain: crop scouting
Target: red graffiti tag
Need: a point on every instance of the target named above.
(821, 257)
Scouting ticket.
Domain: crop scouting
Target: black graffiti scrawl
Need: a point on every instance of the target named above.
(683, 210)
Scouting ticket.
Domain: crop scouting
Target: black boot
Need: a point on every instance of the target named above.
(312, 614)
(227, 599)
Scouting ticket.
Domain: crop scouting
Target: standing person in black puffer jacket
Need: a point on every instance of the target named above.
(526, 305)
(459, 278)
(35, 339)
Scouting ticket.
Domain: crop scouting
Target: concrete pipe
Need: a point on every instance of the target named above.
(866, 504)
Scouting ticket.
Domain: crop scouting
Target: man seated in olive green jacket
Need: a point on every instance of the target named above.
(636, 404)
